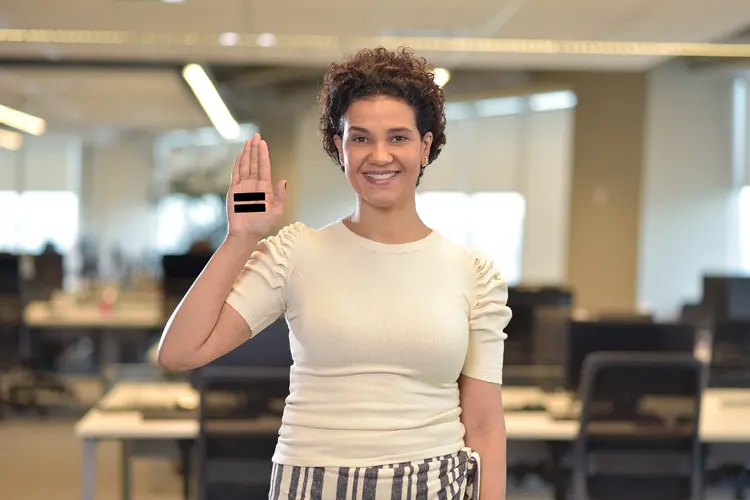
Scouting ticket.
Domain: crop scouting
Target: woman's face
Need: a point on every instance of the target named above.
(382, 151)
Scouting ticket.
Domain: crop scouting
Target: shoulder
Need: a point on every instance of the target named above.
(473, 261)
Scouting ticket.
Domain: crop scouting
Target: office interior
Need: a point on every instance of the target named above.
(597, 151)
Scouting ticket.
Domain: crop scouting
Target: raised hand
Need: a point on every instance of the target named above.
(251, 179)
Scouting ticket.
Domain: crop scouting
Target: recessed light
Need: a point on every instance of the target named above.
(266, 40)
(229, 39)
(442, 76)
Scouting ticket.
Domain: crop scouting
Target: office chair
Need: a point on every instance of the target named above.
(238, 430)
(29, 379)
(639, 428)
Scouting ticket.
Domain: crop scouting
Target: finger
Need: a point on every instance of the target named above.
(254, 156)
(236, 169)
(264, 163)
(245, 161)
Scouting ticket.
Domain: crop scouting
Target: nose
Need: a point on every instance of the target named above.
(380, 155)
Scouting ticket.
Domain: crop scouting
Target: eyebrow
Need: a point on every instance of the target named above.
(396, 130)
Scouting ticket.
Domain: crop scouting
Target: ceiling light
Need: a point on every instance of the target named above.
(10, 140)
(266, 40)
(212, 103)
(442, 76)
(229, 39)
(22, 121)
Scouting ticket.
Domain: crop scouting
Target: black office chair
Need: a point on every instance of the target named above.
(239, 426)
(28, 378)
(639, 429)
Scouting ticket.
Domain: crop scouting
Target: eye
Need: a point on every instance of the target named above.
(358, 139)
(399, 138)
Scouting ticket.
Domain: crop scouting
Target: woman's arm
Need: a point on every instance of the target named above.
(203, 327)
(484, 421)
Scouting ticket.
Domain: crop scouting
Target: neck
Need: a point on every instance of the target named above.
(394, 225)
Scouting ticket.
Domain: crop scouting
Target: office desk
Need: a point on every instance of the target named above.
(128, 315)
(719, 423)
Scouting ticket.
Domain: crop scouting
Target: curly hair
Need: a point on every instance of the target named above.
(380, 72)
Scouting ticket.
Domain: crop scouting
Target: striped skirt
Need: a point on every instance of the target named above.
(449, 477)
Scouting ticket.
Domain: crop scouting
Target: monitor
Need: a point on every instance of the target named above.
(586, 337)
(726, 298)
(730, 355)
(524, 302)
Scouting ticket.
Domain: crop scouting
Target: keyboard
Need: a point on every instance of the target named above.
(165, 413)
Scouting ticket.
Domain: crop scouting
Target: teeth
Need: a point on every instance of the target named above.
(381, 176)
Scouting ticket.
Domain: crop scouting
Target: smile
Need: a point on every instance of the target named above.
(380, 177)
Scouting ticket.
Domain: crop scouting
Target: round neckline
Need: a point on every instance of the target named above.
(378, 246)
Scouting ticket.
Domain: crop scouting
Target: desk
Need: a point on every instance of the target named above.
(129, 315)
(719, 423)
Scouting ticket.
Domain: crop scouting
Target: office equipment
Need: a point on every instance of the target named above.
(726, 298)
(730, 355)
(586, 337)
(640, 426)
(234, 455)
(523, 302)
(46, 278)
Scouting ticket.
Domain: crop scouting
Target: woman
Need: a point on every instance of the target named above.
(396, 332)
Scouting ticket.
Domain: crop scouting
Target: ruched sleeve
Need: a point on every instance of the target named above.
(258, 293)
(489, 315)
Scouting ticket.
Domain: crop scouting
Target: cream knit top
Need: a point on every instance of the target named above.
(379, 334)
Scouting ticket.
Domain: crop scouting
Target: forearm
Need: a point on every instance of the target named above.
(491, 446)
(196, 316)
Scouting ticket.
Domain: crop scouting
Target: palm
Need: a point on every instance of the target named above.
(252, 174)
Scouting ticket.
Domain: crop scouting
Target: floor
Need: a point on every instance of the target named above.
(41, 460)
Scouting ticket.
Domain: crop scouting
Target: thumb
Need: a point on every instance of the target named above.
(279, 192)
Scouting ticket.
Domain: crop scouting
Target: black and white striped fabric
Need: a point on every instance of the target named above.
(449, 477)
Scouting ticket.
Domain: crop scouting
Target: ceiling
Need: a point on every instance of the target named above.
(162, 36)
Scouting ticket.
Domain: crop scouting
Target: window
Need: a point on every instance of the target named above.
(183, 219)
(491, 223)
(744, 228)
(38, 217)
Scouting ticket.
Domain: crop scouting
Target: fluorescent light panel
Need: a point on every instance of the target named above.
(22, 121)
(211, 102)
(10, 140)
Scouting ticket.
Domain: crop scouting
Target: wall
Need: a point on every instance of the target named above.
(605, 188)
(686, 219)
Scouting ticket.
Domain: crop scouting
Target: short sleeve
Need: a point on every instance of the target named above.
(488, 317)
(258, 292)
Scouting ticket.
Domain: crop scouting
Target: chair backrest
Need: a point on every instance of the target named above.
(238, 430)
(639, 427)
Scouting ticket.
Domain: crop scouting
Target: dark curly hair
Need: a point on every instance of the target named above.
(380, 72)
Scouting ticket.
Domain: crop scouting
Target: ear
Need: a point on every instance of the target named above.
(339, 147)
(426, 145)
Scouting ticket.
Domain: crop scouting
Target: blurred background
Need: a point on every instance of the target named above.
(598, 151)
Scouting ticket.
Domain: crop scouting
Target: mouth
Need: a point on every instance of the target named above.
(381, 177)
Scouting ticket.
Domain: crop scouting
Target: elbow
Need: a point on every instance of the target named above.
(173, 362)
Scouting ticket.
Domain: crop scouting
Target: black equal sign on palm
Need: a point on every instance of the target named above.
(243, 203)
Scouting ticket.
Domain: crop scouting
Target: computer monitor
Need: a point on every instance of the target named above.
(523, 302)
(726, 298)
(10, 274)
(586, 337)
(730, 355)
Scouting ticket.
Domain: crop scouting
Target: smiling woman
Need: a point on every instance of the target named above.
(395, 387)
